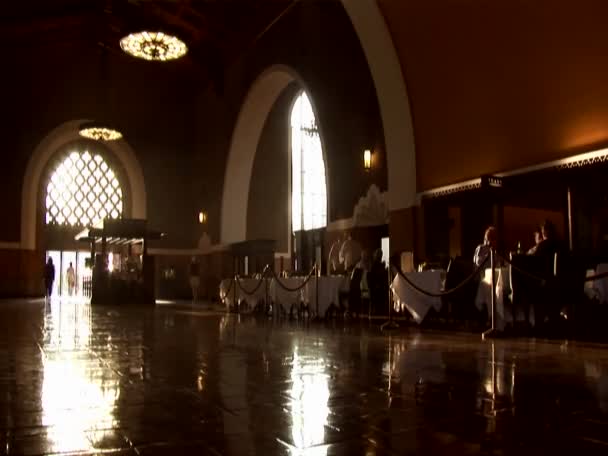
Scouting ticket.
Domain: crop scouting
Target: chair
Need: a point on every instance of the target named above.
(461, 304)
(354, 291)
(527, 292)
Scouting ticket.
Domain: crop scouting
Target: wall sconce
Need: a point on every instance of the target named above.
(202, 217)
(367, 159)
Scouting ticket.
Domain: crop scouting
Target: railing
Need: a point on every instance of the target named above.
(237, 282)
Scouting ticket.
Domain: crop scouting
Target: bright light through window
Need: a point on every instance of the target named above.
(309, 192)
(83, 190)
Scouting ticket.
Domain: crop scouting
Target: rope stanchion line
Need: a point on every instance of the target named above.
(229, 287)
(445, 292)
(540, 279)
(299, 287)
(531, 275)
(603, 275)
(545, 280)
(258, 285)
(237, 281)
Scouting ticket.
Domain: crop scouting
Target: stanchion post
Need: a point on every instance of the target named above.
(236, 284)
(492, 331)
(266, 284)
(317, 277)
(390, 324)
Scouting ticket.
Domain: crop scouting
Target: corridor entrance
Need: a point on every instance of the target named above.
(62, 261)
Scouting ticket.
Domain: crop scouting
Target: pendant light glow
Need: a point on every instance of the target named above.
(100, 133)
(155, 46)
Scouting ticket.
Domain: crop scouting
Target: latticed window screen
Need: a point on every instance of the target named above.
(83, 190)
(309, 190)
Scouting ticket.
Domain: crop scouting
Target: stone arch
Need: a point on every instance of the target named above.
(44, 152)
(385, 68)
(258, 103)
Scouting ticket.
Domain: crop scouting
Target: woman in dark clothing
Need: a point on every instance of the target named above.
(49, 276)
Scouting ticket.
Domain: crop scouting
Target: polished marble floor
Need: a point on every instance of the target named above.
(190, 380)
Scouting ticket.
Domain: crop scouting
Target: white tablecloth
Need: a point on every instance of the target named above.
(285, 298)
(227, 295)
(329, 292)
(417, 303)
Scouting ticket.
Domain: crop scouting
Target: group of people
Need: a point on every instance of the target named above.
(546, 243)
(49, 278)
(367, 273)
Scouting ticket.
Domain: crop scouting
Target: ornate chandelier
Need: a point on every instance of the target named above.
(99, 133)
(153, 46)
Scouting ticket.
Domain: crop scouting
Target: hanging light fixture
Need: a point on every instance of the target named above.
(156, 46)
(99, 132)
(95, 130)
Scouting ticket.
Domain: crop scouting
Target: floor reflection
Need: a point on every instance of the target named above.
(309, 410)
(84, 380)
(79, 393)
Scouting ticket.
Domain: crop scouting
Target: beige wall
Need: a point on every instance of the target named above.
(499, 85)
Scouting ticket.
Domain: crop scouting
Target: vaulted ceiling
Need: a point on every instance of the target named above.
(216, 31)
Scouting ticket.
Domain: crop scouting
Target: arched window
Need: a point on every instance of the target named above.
(82, 190)
(309, 192)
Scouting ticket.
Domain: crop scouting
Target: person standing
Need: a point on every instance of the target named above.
(350, 253)
(71, 279)
(49, 277)
(490, 241)
(195, 278)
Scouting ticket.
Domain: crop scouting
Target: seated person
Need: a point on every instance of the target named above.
(538, 237)
(549, 245)
(490, 241)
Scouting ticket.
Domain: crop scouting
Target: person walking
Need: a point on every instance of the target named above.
(71, 279)
(49, 277)
(195, 278)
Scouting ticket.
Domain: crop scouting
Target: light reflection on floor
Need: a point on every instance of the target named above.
(78, 397)
(309, 395)
(76, 379)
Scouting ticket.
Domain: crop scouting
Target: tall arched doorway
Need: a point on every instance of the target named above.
(82, 185)
(376, 42)
(308, 183)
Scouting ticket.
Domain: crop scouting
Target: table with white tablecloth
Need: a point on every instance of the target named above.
(416, 302)
(227, 292)
(329, 292)
(286, 297)
(290, 293)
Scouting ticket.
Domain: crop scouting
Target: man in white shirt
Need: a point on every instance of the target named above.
(483, 250)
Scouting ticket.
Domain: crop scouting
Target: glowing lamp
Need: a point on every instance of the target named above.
(155, 46)
(99, 132)
(367, 159)
(202, 217)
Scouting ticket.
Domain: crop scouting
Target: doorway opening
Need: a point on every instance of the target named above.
(78, 260)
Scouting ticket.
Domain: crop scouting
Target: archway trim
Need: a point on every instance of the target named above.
(55, 140)
(385, 68)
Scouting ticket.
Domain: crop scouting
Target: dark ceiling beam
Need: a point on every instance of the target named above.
(32, 29)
